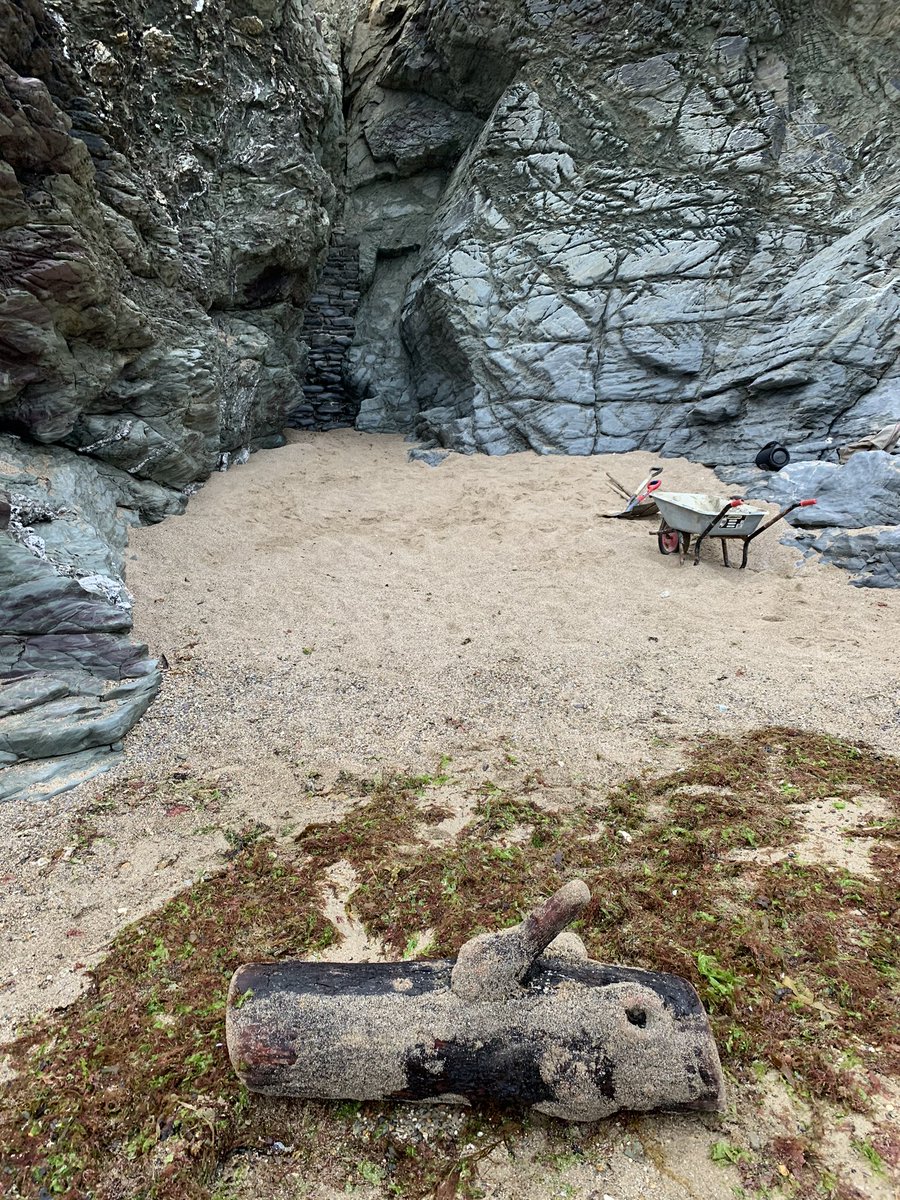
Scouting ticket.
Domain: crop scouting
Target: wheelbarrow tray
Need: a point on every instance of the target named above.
(691, 512)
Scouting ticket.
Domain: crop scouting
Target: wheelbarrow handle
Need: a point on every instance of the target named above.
(734, 502)
(780, 516)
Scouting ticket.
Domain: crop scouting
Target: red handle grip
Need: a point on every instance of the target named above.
(737, 502)
(807, 503)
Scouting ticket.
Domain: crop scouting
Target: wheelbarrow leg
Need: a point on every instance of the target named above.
(724, 542)
(746, 542)
(713, 523)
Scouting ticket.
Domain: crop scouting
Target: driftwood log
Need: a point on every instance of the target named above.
(521, 1015)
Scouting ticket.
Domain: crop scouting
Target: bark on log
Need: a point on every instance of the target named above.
(575, 1039)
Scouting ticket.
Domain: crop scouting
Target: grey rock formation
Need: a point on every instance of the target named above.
(168, 184)
(167, 187)
(873, 555)
(415, 106)
(857, 511)
(661, 226)
(676, 230)
(71, 681)
(863, 491)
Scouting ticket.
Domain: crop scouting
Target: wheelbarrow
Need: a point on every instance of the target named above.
(687, 515)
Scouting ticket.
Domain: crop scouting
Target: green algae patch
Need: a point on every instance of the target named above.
(129, 1090)
(133, 1079)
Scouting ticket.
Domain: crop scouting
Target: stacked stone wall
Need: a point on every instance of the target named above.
(328, 327)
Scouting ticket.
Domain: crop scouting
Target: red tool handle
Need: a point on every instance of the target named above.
(806, 503)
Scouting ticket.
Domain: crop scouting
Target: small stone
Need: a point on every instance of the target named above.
(251, 26)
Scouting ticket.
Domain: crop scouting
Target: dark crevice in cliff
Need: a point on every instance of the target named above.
(329, 324)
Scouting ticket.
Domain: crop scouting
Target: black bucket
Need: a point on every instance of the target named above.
(772, 457)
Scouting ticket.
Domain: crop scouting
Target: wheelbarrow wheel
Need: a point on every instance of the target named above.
(668, 540)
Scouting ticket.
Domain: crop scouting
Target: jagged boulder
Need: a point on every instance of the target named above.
(863, 491)
(72, 683)
(872, 555)
(857, 511)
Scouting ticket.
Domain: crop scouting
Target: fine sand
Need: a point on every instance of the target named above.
(331, 605)
(334, 600)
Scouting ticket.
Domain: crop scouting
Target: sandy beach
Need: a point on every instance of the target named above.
(332, 606)
(334, 600)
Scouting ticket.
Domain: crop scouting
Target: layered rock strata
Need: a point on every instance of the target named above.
(167, 187)
(675, 228)
(72, 682)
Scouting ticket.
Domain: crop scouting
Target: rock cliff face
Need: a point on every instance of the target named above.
(573, 226)
(671, 225)
(168, 190)
(675, 229)
(167, 186)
